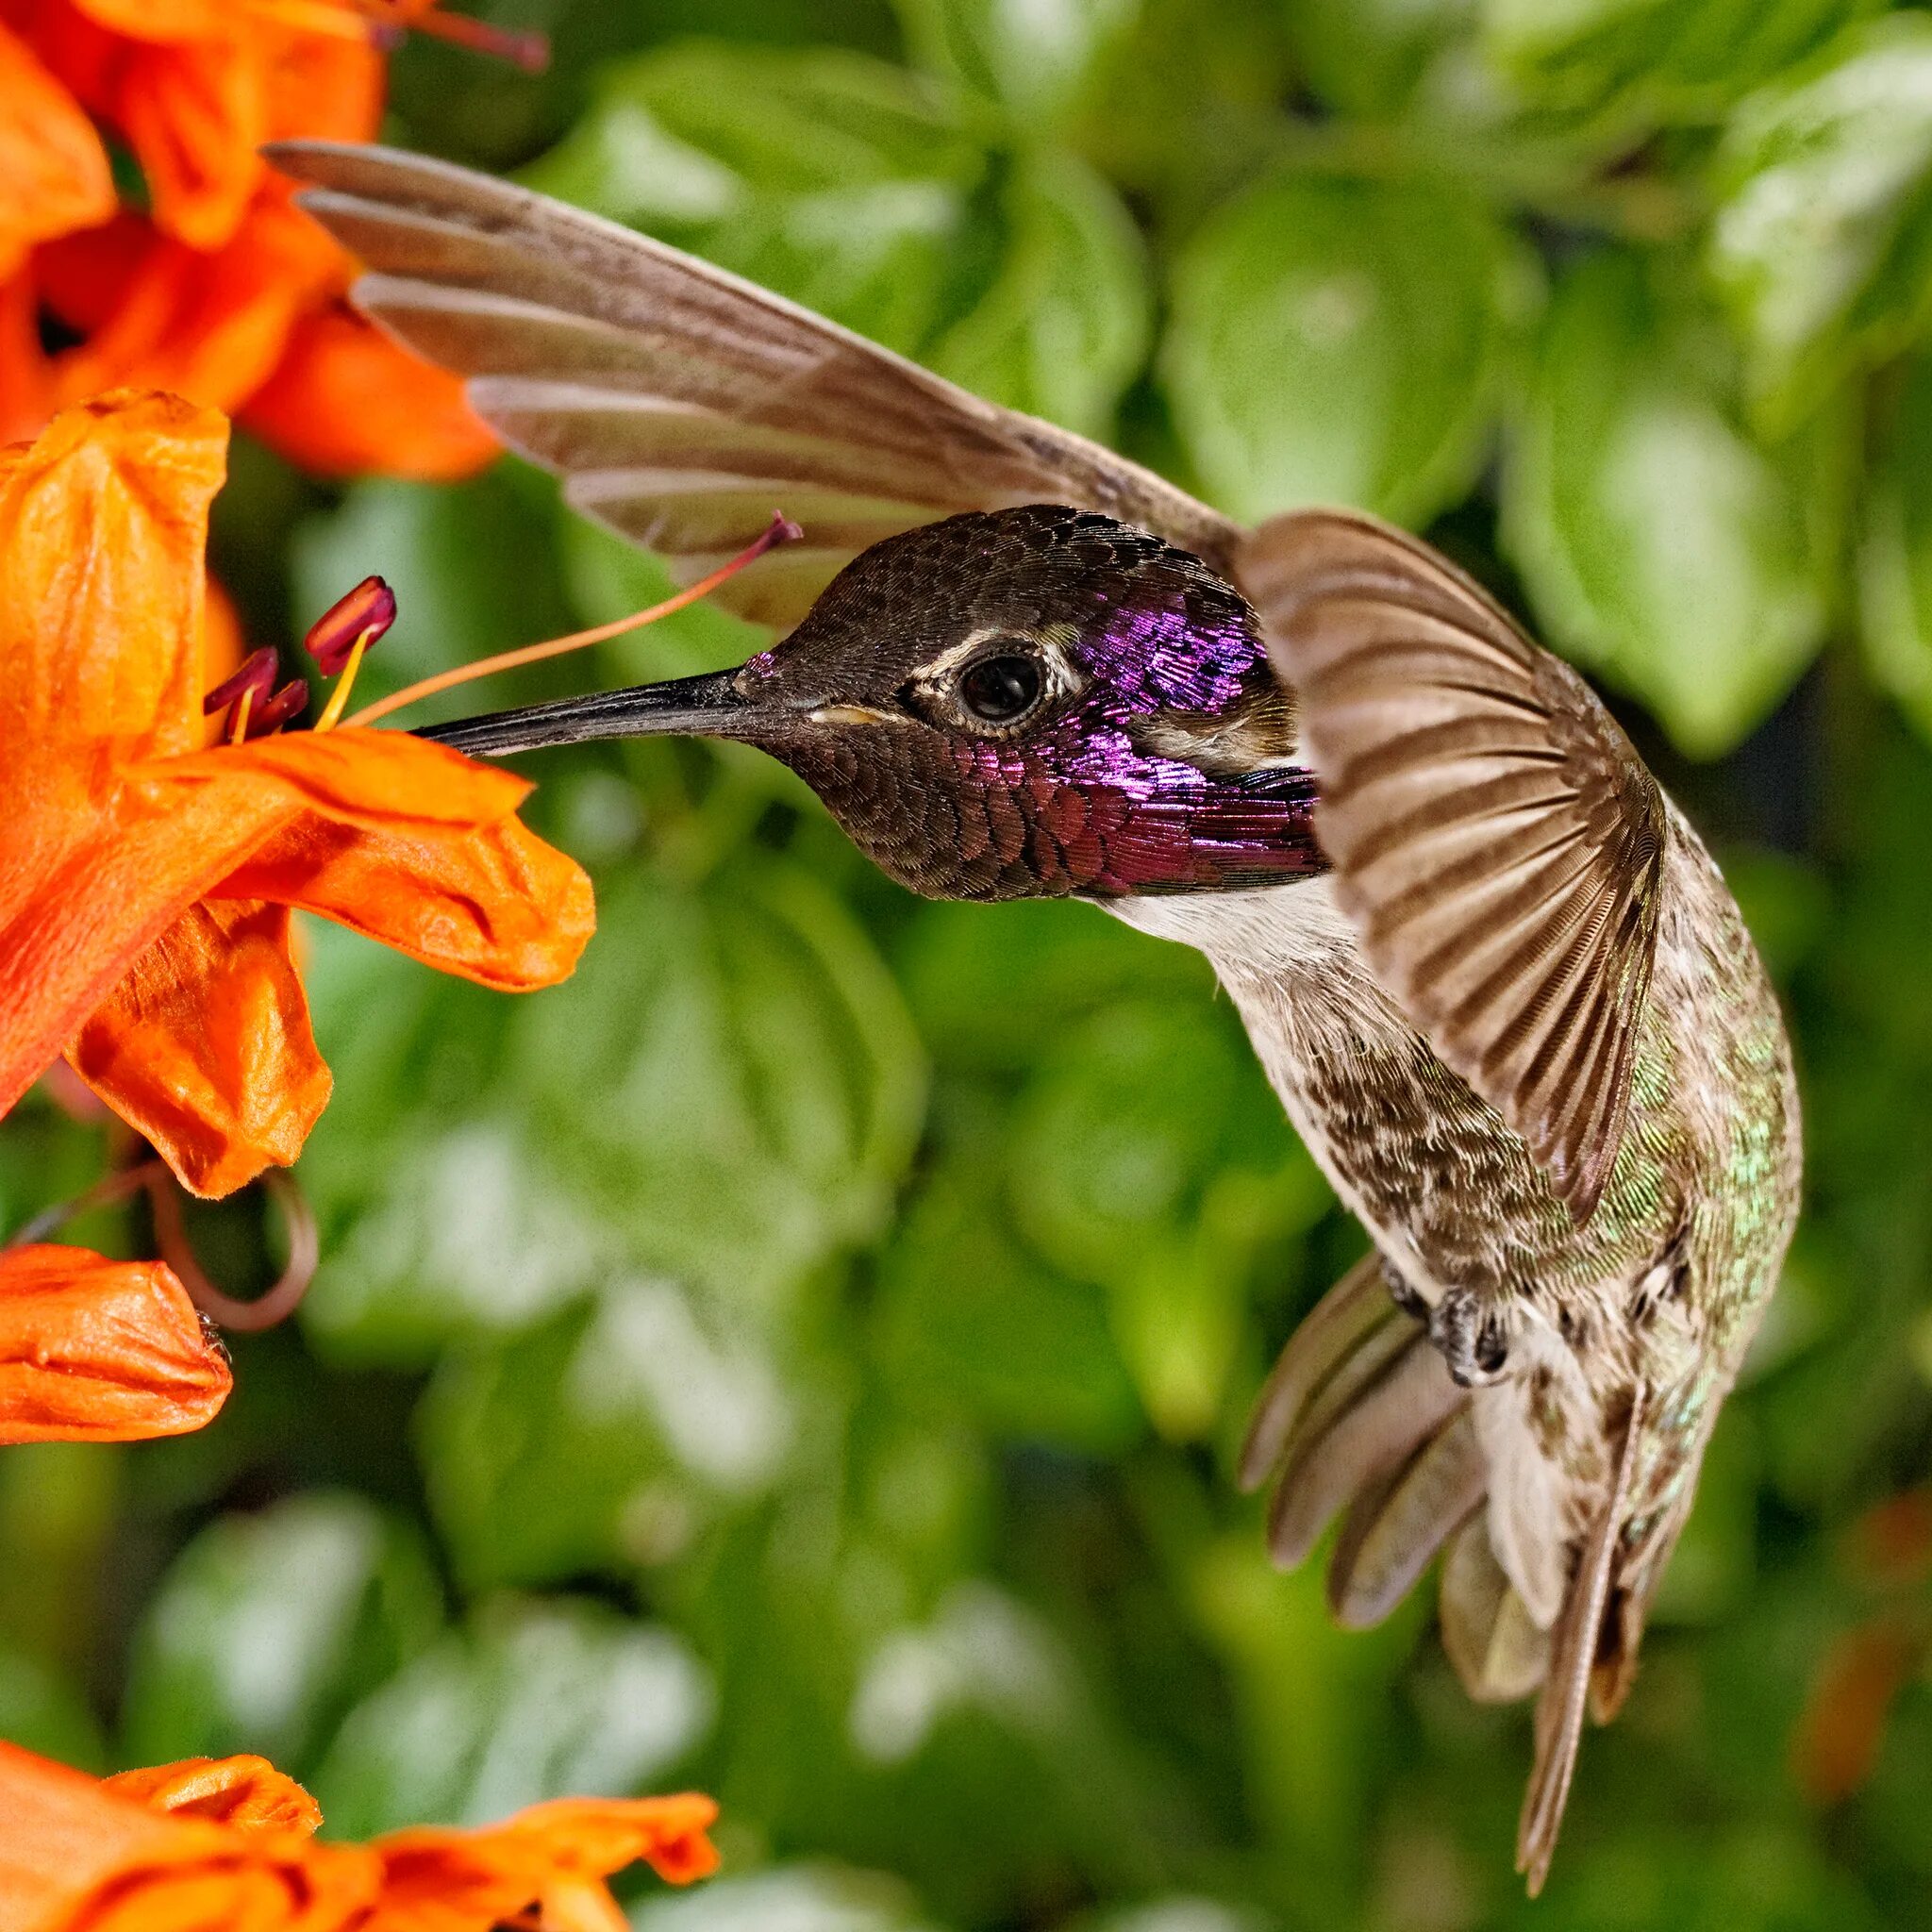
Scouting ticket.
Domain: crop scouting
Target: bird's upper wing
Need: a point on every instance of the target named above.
(1495, 838)
(682, 405)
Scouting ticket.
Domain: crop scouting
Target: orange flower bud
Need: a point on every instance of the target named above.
(100, 1351)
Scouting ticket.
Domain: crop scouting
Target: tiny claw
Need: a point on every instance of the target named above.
(256, 676)
(355, 621)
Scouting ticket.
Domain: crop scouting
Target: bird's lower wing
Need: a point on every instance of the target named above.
(1495, 838)
(683, 405)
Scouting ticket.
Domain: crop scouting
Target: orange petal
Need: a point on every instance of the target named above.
(161, 315)
(160, 20)
(26, 376)
(75, 915)
(497, 906)
(382, 780)
(465, 1879)
(247, 1792)
(324, 86)
(76, 1856)
(346, 401)
(100, 1351)
(82, 897)
(61, 1838)
(205, 1047)
(51, 159)
(103, 525)
(195, 114)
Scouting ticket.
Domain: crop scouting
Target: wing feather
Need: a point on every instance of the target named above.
(1496, 840)
(683, 405)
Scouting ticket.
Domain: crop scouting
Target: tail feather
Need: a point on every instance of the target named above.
(1388, 1403)
(1497, 1648)
(1394, 1530)
(1350, 1315)
(1573, 1646)
(1350, 1415)
(1361, 1413)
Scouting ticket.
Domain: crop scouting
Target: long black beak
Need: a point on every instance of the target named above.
(706, 707)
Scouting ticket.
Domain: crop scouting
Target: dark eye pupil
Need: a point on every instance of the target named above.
(1000, 688)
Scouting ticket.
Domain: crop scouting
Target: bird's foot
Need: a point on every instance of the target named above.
(1470, 1336)
(1402, 1294)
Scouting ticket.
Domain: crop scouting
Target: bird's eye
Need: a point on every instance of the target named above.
(1000, 688)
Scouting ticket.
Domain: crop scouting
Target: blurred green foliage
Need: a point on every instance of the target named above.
(802, 1355)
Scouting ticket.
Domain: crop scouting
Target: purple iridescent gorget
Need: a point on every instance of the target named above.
(1159, 757)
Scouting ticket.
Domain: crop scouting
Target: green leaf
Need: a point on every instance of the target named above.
(1341, 342)
(1895, 554)
(828, 177)
(1654, 59)
(971, 972)
(1149, 1157)
(1821, 238)
(536, 1700)
(731, 1079)
(43, 1712)
(268, 1628)
(725, 1092)
(1367, 57)
(1063, 328)
(1036, 58)
(603, 1439)
(1128, 1120)
(967, 1319)
(1659, 543)
(786, 1898)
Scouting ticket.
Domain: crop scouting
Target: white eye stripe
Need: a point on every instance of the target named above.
(1048, 649)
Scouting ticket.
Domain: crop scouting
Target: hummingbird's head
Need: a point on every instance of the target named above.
(1012, 703)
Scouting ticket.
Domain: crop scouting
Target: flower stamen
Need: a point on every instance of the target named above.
(527, 50)
(342, 635)
(384, 24)
(780, 530)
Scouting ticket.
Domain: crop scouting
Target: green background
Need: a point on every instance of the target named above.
(802, 1356)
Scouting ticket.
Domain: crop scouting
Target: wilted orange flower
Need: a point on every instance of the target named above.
(217, 286)
(100, 1351)
(145, 881)
(229, 1842)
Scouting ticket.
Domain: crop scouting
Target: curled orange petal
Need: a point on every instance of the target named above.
(100, 1351)
(247, 1792)
(495, 904)
(227, 1844)
(103, 530)
(205, 1046)
(562, 1851)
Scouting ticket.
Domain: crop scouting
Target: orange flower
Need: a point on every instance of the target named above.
(207, 291)
(145, 882)
(50, 157)
(100, 1351)
(229, 1842)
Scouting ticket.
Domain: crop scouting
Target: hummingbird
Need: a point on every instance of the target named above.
(1499, 987)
